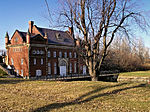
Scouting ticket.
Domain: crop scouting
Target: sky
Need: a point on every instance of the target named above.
(15, 14)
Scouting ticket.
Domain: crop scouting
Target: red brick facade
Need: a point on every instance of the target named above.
(42, 52)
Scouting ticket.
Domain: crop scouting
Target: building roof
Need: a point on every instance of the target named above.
(23, 35)
(57, 36)
(54, 36)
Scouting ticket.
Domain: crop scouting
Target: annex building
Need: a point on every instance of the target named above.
(43, 52)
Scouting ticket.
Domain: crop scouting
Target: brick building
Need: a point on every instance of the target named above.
(43, 52)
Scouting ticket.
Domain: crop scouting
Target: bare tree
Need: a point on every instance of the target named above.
(98, 22)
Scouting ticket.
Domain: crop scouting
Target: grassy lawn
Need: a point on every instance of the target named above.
(77, 96)
(137, 74)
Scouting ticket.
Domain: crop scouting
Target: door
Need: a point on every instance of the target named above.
(63, 70)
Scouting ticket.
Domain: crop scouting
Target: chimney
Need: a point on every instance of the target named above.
(45, 36)
(28, 37)
(6, 38)
(71, 30)
(31, 23)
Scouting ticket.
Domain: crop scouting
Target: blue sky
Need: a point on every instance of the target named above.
(15, 14)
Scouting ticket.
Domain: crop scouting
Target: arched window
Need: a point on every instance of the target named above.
(65, 55)
(70, 54)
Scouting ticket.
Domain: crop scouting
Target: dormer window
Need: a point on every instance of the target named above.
(58, 36)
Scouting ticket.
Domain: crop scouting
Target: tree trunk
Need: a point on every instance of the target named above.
(93, 73)
(94, 76)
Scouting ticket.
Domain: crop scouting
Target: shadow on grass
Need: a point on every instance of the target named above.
(80, 99)
(12, 81)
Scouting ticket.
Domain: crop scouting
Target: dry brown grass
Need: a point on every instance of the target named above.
(77, 96)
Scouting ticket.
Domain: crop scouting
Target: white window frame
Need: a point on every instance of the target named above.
(60, 54)
(38, 72)
(34, 61)
(37, 52)
(54, 54)
(65, 54)
(49, 68)
(48, 54)
(42, 61)
(70, 54)
(21, 61)
(41, 52)
(22, 72)
(55, 68)
(34, 52)
(17, 71)
(75, 55)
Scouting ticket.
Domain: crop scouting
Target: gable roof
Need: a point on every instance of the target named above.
(56, 37)
(23, 35)
(66, 38)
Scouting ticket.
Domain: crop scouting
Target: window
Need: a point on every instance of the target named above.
(12, 62)
(38, 72)
(42, 61)
(75, 67)
(70, 55)
(49, 54)
(34, 61)
(65, 54)
(75, 55)
(16, 39)
(21, 61)
(41, 52)
(38, 52)
(49, 68)
(17, 71)
(33, 52)
(60, 54)
(70, 67)
(55, 68)
(22, 73)
(54, 54)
